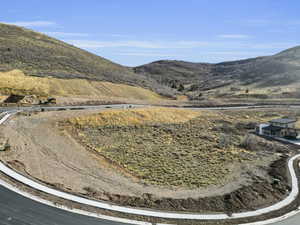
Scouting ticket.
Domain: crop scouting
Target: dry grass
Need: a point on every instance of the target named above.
(172, 147)
(133, 117)
(256, 92)
(15, 82)
(39, 55)
(162, 146)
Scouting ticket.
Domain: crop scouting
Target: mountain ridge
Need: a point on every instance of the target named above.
(281, 69)
(36, 54)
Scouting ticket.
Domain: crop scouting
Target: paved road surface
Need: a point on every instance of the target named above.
(18, 210)
(290, 221)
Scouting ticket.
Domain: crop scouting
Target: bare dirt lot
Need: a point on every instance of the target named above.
(43, 149)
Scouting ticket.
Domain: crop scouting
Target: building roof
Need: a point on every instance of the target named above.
(284, 121)
(273, 128)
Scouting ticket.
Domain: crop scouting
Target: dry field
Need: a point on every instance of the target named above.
(170, 147)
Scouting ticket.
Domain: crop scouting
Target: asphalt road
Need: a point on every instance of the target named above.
(295, 220)
(18, 210)
(120, 106)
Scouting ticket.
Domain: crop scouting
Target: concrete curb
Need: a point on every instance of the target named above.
(78, 211)
(275, 220)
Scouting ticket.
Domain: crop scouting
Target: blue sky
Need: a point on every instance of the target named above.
(134, 32)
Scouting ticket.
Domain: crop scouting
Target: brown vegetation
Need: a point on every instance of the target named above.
(168, 146)
(133, 117)
(267, 77)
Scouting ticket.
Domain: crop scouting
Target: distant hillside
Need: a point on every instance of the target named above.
(65, 70)
(36, 54)
(39, 55)
(279, 73)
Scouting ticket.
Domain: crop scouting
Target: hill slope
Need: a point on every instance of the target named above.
(57, 63)
(278, 71)
(36, 54)
(15, 82)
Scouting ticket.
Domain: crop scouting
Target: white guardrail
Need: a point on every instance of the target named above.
(151, 213)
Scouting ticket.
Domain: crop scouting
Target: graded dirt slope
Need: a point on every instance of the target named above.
(15, 82)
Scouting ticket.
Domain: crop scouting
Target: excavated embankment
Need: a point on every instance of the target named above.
(260, 194)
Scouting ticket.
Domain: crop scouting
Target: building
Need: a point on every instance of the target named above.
(284, 128)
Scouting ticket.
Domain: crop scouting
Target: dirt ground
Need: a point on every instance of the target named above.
(41, 149)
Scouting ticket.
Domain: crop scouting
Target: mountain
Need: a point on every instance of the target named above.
(279, 72)
(33, 63)
(39, 56)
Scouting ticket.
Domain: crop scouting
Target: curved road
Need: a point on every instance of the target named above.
(18, 210)
(15, 209)
(295, 220)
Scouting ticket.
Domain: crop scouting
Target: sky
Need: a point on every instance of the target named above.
(135, 32)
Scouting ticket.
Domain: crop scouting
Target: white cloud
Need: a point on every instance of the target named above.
(191, 44)
(32, 23)
(239, 53)
(234, 36)
(137, 44)
(234, 47)
(279, 45)
(120, 35)
(111, 44)
(66, 34)
(147, 54)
